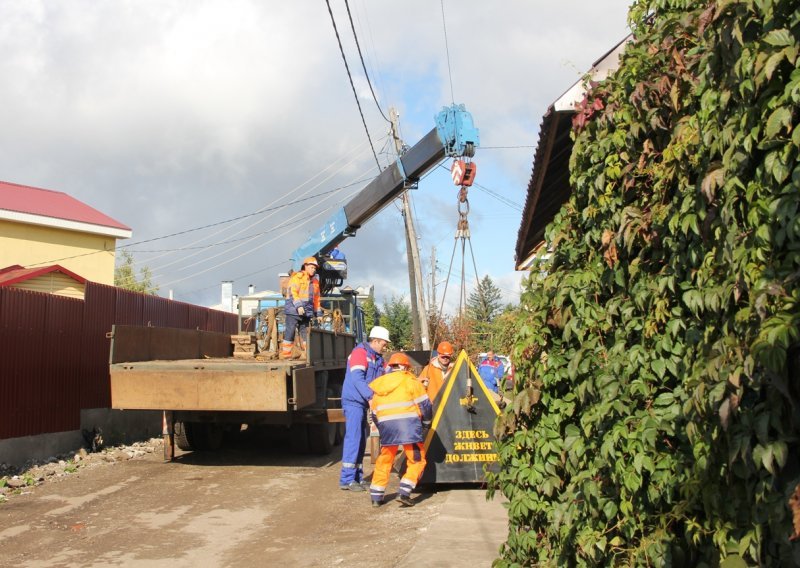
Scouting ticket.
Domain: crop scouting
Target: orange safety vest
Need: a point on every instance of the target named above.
(304, 291)
(435, 376)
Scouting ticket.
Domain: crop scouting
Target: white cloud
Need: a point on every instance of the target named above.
(174, 114)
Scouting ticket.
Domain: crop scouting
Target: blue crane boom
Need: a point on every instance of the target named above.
(454, 136)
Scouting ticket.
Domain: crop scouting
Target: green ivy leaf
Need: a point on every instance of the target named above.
(779, 38)
(780, 118)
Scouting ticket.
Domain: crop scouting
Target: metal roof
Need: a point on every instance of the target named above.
(15, 273)
(549, 188)
(26, 204)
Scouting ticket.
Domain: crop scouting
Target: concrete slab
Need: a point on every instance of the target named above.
(468, 532)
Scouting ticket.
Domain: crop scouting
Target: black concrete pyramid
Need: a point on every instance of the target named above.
(461, 440)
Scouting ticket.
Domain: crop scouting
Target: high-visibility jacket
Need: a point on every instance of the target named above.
(491, 371)
(400, 408)
(303, 291)
(363, 366)
(435, 376)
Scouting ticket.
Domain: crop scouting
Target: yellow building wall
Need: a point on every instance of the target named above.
(54, 283)
(87, 255)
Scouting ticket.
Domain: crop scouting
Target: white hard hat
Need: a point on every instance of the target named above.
(379, 332)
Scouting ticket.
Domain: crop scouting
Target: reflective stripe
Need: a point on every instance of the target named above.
(407, 483)
(358, 367)
(349, 465)
(393, 405)
(377, 488)
(421, 398)
(398, 416)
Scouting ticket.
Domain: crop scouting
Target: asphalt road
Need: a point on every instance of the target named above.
(245, 506)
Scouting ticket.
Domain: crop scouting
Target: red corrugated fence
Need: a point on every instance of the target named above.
(54, 351)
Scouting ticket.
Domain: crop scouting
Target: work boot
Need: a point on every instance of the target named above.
(352, 486)
(286, 350)
(405, 500)
(376, 504)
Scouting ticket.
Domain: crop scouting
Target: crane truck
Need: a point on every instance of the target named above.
(204, 391)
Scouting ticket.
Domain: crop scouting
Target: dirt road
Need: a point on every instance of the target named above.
(244, 506)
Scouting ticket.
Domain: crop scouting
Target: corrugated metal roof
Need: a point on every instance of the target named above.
(43, 206)
(549, 188)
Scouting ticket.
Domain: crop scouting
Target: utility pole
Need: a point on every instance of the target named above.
(433, 277)
(418, 311)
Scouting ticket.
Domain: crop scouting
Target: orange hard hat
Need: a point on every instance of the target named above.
(445, 348)
(311, 260)
(399, 359)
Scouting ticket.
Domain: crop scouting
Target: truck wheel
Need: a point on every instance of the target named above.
(299, 438)
(183, 436)
(321, 437)
(214, 435)
(198, 436)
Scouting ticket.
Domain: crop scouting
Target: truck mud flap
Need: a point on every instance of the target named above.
(303, 388)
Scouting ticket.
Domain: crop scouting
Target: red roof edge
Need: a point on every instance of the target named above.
(16, 273)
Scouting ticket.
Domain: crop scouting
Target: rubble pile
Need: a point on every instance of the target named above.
(14, 480)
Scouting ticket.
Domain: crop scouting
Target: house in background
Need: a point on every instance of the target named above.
(42, 229)
(53, 279)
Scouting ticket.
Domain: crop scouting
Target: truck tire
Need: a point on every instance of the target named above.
(299, 438)
(214, 436)
(321, 437)
(183, 436)
(198, 436)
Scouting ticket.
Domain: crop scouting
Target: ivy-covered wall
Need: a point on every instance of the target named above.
(657, 409)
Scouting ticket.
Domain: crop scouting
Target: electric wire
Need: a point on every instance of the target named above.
(243, 229)
(249, 251)
(127, 246)
(447, 50)
(352, 85)
(494, 194)
(326, 194)
(363, 65)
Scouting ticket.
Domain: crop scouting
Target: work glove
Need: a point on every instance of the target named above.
(301, 311)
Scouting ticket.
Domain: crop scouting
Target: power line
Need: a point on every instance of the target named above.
(503, 200)
(503, 147)
(361, 57)
(277, 207)
(447, 50)
(352, 85)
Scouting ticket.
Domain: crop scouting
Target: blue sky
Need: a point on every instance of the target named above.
(175, 116)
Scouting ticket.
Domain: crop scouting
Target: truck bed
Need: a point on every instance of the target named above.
(175, 369)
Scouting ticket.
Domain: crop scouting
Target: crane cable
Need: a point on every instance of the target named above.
(462, 233)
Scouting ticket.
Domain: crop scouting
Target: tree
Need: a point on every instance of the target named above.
(484, 304)
(396, 317)
(125, 276)
(371, 313)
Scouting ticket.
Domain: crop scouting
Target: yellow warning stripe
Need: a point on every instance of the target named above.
(462, 357)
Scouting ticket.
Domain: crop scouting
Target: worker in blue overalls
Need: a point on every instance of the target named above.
(364, 365)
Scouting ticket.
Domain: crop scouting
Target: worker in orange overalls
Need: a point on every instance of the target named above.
(435, 374)
(302, 304)
(401, 409)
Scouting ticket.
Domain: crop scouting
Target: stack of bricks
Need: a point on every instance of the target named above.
(244, 346)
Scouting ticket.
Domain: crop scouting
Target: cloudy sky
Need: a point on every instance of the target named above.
(224, 131)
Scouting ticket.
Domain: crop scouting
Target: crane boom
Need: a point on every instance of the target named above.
(455, 135)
